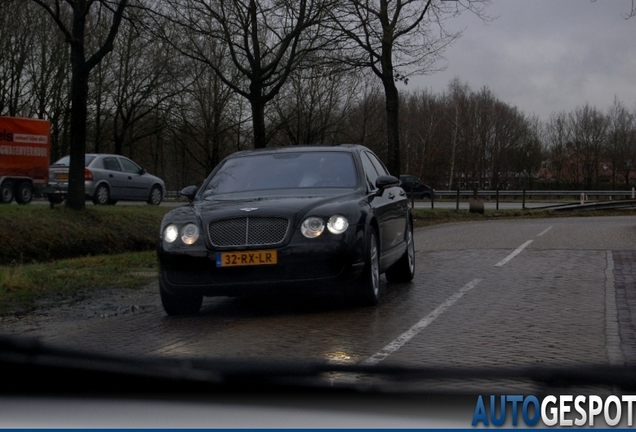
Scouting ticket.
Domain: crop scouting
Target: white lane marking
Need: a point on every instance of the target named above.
(545, 231)
(513, 254)
(612, 334)
(419, 326)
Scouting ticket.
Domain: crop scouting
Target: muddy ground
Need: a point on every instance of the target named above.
(53, 317)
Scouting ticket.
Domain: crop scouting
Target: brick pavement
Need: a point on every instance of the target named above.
(544, 307)
(625, 287)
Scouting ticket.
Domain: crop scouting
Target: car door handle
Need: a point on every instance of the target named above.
(110, 175)
(129, 178)
(391, 196)
(402, 193)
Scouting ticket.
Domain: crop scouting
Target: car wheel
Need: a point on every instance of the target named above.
(24, 194)
(155, 196)
(6, 192)
(102, 195)
(404, 269)
(175, 304)
(368, 289)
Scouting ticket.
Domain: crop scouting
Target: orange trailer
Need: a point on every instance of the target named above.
(25, 146)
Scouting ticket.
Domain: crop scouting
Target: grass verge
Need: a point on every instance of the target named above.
(26, 287)
(35, 233)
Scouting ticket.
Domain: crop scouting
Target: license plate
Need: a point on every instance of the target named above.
(247, 258)
(61, 176)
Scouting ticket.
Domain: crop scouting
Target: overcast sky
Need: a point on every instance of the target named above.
(544, 56)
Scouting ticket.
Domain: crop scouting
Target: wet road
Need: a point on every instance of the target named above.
(552, 291)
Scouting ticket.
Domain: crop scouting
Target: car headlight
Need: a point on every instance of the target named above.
(337, 224)
(170, 233)
(189, 234)
(312, 227)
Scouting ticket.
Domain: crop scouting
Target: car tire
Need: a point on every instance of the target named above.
(6, 192)
(24, 193)
(404, 269)
(175, 304)
(155, 196)
(368, 286)
(102, 195)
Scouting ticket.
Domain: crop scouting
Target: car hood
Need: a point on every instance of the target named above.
(294, 206)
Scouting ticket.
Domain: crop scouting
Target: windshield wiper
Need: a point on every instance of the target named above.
(60, 369)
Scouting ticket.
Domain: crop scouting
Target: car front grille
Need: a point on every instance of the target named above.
(248, 231)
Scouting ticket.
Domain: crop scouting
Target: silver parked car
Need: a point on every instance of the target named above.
(109, 178)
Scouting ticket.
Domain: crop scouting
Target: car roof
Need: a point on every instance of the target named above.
(306, 148)
(105, 154)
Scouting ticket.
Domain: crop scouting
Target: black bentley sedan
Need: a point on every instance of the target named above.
(300, 219)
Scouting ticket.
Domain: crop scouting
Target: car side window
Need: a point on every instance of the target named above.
(408, 181)
(377, 163)
(369, 170)
(129, 166)
(110, 163)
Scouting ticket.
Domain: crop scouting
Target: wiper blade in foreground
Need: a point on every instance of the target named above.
(60, 369)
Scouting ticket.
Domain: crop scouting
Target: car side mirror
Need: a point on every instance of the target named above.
(384, 182)
(189, 192)
(142, 171)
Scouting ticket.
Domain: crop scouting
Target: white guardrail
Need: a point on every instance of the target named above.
(537, 193)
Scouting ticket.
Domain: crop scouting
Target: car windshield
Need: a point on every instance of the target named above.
(66, 161)
(284, 170)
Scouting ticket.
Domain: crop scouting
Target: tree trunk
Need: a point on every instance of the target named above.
(451, 176)
(258, 122)
(392, 125)
(75, 199)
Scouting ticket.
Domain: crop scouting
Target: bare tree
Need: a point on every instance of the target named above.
(632, 12)
(314, 106)
(395, 39)
(421, 115)
(267, 40)
(365, 123)
(587, 129)
(620, 146)
(16, 43)
(207, 111)
(556, 137)
(457, 104)
(529, 152)
(82, 63)
(144, 69)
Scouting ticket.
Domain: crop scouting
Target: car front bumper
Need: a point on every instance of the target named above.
(304, 266)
